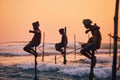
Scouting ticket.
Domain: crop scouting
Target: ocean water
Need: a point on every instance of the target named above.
(15, 64)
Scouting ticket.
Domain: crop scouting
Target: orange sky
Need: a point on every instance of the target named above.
(17, 16)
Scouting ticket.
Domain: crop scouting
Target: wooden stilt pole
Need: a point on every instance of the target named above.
(35, 67)
(91, 76)
(75, 45)
(115, 41)
(65, 61)
(55, 59)
(110, 45)
(43, 46)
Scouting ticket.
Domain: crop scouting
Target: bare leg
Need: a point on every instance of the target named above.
(30, 50)
(85, 53)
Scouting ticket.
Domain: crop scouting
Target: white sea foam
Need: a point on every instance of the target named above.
(103, 72)
(103, 68)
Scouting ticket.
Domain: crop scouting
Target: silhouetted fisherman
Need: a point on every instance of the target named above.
(36, 40)
(59, 46)
(93, 43)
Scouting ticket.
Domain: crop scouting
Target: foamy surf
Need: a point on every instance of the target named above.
(15, 64)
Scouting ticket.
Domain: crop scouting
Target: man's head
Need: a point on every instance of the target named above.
(35, 24)
(61, 31)
(87, 23)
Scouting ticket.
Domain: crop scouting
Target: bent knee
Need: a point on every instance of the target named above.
(24, 48)
(58, 49)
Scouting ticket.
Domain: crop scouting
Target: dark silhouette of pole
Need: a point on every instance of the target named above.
(110, 45)
(75, 45)
(43, 46)
(55, 60)
(91, 76)
(115, 41)
(35, 66)
(65, 61)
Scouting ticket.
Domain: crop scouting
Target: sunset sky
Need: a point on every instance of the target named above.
(16, 18)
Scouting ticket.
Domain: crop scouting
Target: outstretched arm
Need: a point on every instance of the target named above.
(87, 31)
(31, 31)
